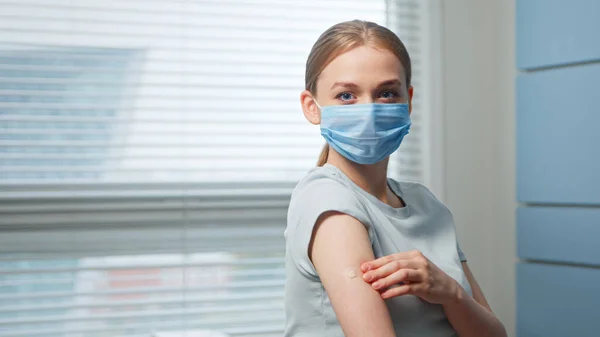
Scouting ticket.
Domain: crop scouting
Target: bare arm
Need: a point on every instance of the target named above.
(472, 316)
(340, 243)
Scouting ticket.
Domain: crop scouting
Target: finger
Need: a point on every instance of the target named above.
(388, 269)
(389, 258)
(397, 291)
(399, 277)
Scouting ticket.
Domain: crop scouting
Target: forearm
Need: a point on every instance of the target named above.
(471, 319)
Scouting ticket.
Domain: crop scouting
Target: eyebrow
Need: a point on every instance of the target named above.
(344, 84)
(390, 82)
(354, 85)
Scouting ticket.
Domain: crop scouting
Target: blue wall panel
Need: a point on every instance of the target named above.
(558, 136)
(558, 167)
(557, 301)
(554, 32)
(559, 234)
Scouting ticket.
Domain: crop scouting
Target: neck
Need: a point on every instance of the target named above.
(371, 178)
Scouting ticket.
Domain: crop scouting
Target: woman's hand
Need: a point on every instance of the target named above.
(411, 273)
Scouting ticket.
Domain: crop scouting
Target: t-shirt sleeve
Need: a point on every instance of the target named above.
(307, 204)
(461, 254)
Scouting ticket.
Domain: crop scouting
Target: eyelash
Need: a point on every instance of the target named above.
(339, 96)
(394, 92)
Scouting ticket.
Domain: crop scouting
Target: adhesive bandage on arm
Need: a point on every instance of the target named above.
(351, 273)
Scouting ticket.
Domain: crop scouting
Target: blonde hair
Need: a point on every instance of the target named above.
(343, 37)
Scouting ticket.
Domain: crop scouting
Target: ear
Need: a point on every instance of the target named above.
(410, 97)
(310, 108)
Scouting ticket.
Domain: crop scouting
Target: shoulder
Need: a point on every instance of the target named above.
(323, 187)
(323, 190)
(318, 177)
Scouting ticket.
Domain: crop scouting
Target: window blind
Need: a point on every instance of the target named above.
(148, 150)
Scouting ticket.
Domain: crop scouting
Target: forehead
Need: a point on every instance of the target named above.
(364, 66)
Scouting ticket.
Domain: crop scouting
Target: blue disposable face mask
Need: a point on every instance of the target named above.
(365, 133)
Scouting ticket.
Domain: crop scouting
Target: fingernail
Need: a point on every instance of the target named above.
(368, 277)
(365, 267)
(377, 285)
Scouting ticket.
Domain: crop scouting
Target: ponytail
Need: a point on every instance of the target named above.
(324, 155)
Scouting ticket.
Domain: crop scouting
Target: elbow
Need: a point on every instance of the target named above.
(501, 329)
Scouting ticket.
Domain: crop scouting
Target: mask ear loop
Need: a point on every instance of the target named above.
(317, 103)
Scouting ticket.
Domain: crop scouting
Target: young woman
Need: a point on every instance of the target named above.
(346, 212)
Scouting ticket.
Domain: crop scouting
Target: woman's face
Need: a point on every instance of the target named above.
(362, 75)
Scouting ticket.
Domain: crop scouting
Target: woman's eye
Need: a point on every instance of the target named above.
(389, 94)
(345, 96)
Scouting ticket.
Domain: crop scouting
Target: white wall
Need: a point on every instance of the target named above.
(479, 140)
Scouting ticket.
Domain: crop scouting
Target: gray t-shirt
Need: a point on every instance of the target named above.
(424, 224)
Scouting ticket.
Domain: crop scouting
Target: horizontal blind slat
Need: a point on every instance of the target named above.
(267, 272)
(153, 313)
(246, 262)
(256, 294)
(225, 322)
